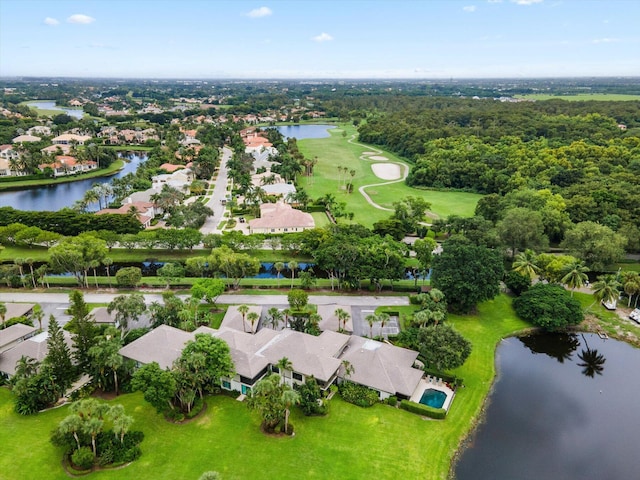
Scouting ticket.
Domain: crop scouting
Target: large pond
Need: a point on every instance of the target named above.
(72, 112)
(564, 407)
(305, 131)
(58, 196)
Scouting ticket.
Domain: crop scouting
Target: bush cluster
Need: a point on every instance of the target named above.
(358, 394)
(424, 410)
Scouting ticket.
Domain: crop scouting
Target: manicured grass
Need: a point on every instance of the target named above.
(579, 97)
(336, 151)
(103, 172)
(351, 442)
(321, 219)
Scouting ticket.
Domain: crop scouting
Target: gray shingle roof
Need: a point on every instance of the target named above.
(163, 345)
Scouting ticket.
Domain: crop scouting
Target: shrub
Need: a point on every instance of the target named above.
(548, 306)
(358, 394)
(392, 401)
(83, 458)
(424, 410)
(517, 283)
(128, 276)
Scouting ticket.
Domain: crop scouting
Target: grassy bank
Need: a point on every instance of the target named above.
(350, 442)
(114, 168)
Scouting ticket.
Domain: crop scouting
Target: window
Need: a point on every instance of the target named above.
(226, 385)
(275, 369)
(297, 376)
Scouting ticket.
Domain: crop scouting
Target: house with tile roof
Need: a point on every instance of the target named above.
(70, 139)
(68, 165)
(280, 218)
(26, 139)
(144, 211)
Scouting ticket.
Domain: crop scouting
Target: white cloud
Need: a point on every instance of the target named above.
(605, 40)
(260, 12)
(526, 2)
(469, 8)
(81, 18)
(51, 21)
(323, 37)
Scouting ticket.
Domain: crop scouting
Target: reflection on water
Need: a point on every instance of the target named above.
(61, 195)
(557, 415)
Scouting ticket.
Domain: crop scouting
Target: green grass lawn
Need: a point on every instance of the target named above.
(579, 97)
(321, 219)
(349, 443)
(336, 151)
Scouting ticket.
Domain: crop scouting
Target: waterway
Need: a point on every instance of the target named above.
(72, 112)
(305, 131)
(61, 195)
(564, 407)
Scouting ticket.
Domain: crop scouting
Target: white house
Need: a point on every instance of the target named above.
(280, 218)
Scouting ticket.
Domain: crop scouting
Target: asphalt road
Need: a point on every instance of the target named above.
(219, 193)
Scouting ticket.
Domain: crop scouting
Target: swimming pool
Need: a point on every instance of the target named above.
(433, 398)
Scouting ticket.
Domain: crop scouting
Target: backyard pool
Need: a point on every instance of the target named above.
(433, 398)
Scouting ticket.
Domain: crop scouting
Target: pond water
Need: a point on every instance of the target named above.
(72, 112)
(56, 197)
(305, 131)
(563, 407)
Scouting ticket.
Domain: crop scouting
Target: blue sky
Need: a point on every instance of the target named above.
(320, 39)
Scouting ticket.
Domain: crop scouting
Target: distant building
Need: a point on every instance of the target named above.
(280, 218)
(68, 165)
(70, 139)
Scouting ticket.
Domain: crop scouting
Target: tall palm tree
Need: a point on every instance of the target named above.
(289, 397)
(384, 318)
(575, 275)
(606, 289)
(107, 262)
(37, 314)
(285, 365)
(525, 264)
(371, 319)
(279, 266)
(253, 318)
(276, 317)
(343, 317)
(29, 261)
(293, 265)
(631, 286)
(243, 309)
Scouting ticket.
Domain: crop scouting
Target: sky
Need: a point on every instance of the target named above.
(320, 39)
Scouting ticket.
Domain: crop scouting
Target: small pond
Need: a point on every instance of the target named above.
(305, 131)
(563, 407)
(72, 112)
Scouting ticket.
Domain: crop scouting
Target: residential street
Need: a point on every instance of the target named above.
(219, 193)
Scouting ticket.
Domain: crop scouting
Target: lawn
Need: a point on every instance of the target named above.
(580, 97)
(350, 443)
(336, 151)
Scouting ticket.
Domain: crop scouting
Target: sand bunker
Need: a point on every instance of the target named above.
(369, 153)
(387, 171)
(378, 157)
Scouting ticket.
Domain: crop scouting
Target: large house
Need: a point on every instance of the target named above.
(379, 366)
(34, 347)
(68, 165)
(280, 218)
(70, 139)
(7, 156)
(180, 180)
(144, 211)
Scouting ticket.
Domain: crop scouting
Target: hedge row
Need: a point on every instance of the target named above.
(424, 410)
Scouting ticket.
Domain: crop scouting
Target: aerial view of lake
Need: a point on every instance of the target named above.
(73, 112)
(305, 131)
(563, 407)
(60, 195)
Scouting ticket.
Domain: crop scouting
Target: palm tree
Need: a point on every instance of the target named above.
(575, 275)
(371, 319)
(524, 264)
(631, 286)
(279, 266)
(284, 365)
(348, 368)
(20, 262)
(293, 265)
(253, 317)
(37, 314)
(384, 318)
(71, 424)
(107, 262)
(343, 317)
(25, 367)
(121, 422)
(276, 317)
(29, 261)
(289, 397)
(243, 309)
(606, 289)
(114, 362)
(3, 312)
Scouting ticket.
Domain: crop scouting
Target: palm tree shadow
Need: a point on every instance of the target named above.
(592, 361)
